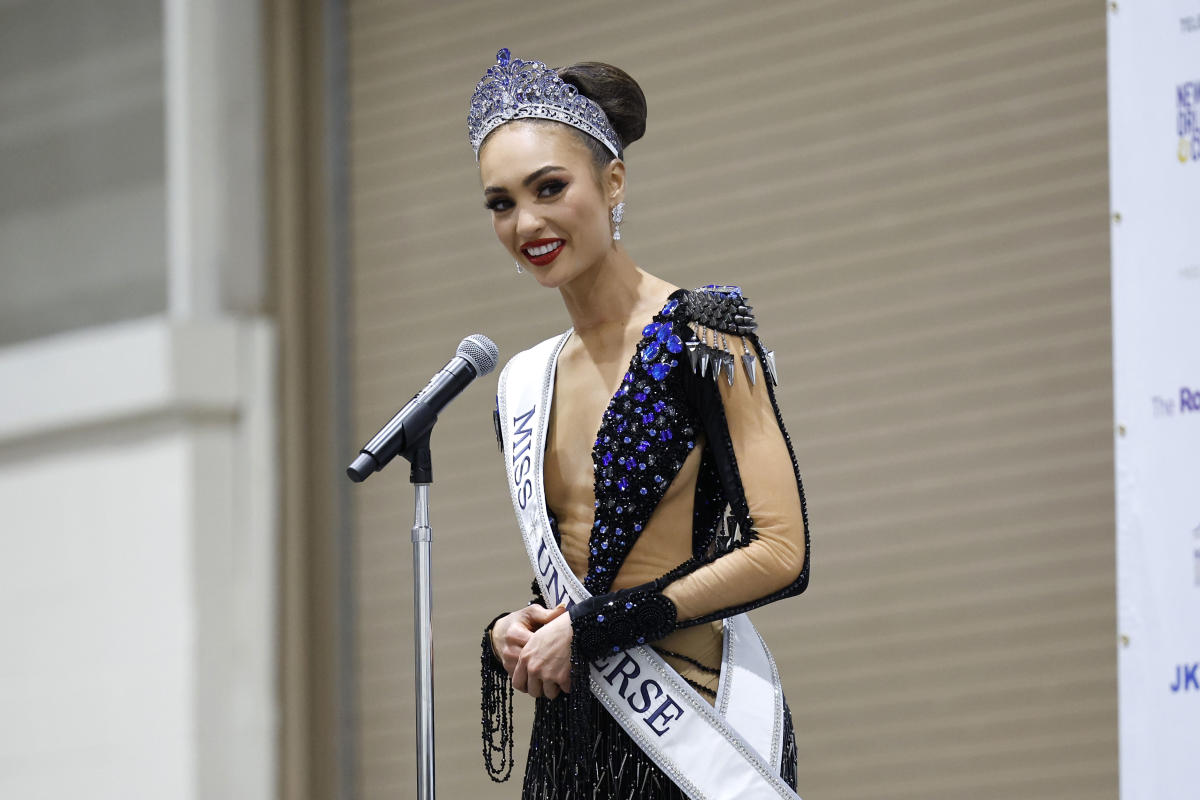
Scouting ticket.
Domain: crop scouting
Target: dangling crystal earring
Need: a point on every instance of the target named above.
(618, 214)
(519, 269)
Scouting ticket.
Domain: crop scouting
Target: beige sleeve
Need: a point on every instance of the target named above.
(775, 557)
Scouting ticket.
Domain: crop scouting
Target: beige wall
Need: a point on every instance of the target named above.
(83, 180)
(914, 195)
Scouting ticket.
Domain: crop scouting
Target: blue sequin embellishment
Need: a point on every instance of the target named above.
(636, 433)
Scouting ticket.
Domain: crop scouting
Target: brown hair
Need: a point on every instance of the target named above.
(618, 95)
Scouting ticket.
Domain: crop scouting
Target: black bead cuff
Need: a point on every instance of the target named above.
(612, 622)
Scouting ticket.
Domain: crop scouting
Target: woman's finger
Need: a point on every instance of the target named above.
(520, 675)
(551, 689)
(535, 686)
(517, 635)
(540, 615)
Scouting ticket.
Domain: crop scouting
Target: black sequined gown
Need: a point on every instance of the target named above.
(668, 396)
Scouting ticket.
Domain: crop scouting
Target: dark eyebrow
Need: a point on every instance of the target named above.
(530, 178)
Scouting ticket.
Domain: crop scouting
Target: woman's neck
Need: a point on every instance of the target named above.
(610, 294)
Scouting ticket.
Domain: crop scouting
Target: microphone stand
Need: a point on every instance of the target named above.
(476, 355)
(421, 476)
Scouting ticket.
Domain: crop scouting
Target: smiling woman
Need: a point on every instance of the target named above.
(655, 484)
(550, 204)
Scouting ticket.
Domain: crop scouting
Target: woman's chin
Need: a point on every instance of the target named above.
(548, 281)
(551, 276)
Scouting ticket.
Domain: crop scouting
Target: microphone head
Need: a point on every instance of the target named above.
(480, 351)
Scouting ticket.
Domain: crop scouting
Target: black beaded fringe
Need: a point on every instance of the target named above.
(619, 770)
(496, 708)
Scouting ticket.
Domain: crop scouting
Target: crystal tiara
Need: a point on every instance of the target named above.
(516, 89)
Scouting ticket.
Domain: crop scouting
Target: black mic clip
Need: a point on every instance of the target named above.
(416, 452)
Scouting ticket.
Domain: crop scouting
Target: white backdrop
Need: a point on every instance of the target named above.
(1154, 136)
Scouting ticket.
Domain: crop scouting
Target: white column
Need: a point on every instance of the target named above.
(215, 165)
(138, 540)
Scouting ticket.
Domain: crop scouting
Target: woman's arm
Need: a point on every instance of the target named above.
(764, 491)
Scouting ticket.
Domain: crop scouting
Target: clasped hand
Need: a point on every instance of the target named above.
(534, 645)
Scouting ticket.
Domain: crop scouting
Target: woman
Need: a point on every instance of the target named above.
(647, 460)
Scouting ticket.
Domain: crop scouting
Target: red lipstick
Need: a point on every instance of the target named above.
(546, 250)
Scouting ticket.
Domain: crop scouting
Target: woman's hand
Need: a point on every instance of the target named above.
(544, 664)
(511, 632)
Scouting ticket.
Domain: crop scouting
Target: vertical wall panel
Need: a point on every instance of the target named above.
(915, 197)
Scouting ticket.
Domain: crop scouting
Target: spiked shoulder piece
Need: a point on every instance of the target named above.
(716, 312)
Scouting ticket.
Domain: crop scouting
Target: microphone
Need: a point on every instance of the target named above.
(476, 355)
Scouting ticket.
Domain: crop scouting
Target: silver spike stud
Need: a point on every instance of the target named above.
(693, 351)
(703, 351)
(748, 362)
(769, 364)
(727, 359)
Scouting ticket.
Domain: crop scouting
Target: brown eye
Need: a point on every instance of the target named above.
(551, 188)
(498, 204)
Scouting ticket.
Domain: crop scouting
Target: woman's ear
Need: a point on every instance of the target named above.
(614, 181)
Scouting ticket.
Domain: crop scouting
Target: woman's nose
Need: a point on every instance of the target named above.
(529, 224)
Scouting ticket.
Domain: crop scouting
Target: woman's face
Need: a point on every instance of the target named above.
(548, 207)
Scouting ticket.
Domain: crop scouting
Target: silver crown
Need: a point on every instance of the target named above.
(515, 89)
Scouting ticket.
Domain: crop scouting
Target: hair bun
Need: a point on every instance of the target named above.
(615, 92)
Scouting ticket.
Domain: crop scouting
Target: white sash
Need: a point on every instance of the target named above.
(713, 753)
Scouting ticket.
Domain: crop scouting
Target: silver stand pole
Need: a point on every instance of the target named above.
(422, 540)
